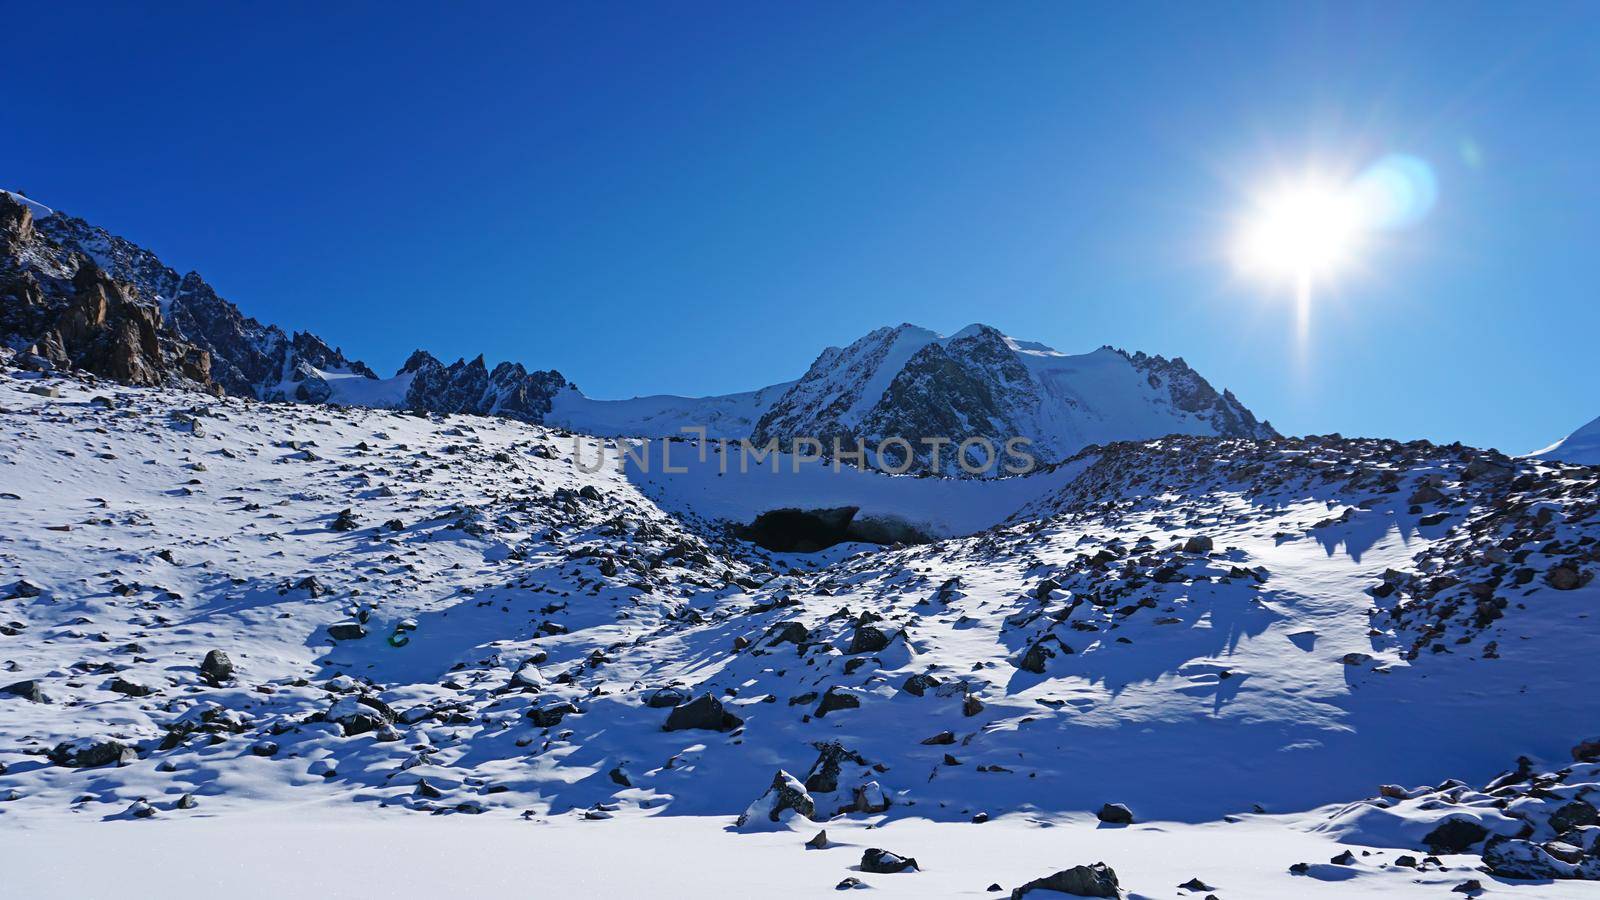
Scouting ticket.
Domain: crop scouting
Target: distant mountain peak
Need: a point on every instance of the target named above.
(72, 294)
(911, 382)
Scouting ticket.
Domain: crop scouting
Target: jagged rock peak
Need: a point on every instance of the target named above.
(910, 382)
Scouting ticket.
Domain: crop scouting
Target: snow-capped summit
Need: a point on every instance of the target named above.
(913, 383)
(910, 382)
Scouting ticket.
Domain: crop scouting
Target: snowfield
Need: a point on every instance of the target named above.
(272, 648)
(1582, 447)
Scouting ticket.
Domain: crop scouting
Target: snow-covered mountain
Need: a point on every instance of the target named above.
(919, 385)
(1582, 447)
(1230, 666)
(72, 294)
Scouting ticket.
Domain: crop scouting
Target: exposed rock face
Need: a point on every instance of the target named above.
(469, 387)
(907, 382)
(253, 359)
(974, 386)
(79, 297)
(65, 310)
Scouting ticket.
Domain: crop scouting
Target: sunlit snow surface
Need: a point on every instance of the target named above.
(1228, 695)
(1582, 447)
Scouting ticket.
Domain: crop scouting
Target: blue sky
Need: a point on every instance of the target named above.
(694, 198)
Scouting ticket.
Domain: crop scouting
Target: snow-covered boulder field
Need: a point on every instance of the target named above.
(288, 648)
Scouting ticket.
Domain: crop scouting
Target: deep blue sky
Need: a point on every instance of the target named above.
(691, 198)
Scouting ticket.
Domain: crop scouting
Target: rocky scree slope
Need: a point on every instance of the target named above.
(215, 604)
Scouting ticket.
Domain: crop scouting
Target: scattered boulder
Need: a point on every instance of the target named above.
(837, 698)
(347, 631)
(1039, 653)
(1564, 578)
(550, 715)
(869, 798)
(867, 639)
(882, 862)
(1115, 814)
(87, 753)
(666, 697)
(23, 589)
(785, 794)
(1516, 858)
(130, 688)
(787, 633)
(1574, 814)
(1455, 835)
(1097, 880)
(359, 715)
(216, 668)
(30, 690)
(703, 712)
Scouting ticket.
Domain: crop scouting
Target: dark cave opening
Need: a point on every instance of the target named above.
(809, 530)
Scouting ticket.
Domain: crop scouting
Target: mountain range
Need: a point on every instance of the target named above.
(77, 296)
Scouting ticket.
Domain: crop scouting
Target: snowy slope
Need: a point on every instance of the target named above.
(1582, 447)
(1336, 630)
(724, 416)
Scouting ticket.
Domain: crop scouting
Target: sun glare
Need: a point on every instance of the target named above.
(1306, 231)
(1317, 226)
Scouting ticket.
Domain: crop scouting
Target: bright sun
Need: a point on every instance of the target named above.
(1302, 232)
(1306, 232)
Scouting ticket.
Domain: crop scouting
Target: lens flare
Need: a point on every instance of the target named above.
(1397, 191)
(1305, 232)
(1316, 226)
